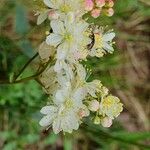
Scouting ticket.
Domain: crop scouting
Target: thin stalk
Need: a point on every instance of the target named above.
(33, 77)
(25, 66)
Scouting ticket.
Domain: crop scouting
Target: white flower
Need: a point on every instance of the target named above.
(61, 67)
(102, 43)
(66, 6)
(88, 87)
(67, 36)
(64, 114)
(110, 106)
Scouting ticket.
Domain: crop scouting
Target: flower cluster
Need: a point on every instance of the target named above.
(96, 7)
(65, 79)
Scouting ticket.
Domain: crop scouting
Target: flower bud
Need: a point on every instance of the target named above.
(94, 105)
(100, 3)
(95, 13)
(53, 14)
(110, 3)
(106, 122)
(89, 4)
(110, 12)
(97, 120)
(83, 112)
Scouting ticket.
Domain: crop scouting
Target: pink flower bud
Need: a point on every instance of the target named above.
(94, 105)
(110, 12)
(89, 4)
(110, 3)
(53, 14)
(95, 13)
(100, 3)
(82, 113)
(106, 122)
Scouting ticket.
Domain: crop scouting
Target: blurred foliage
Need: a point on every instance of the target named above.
(20, 103)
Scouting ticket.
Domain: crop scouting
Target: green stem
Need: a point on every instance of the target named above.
(25, 66)
(33, 77)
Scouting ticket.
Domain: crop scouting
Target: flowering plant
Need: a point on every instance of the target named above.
(65, 79)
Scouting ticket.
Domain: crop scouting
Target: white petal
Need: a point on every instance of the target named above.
(57, 126)
(108, 48)
(41, 18)
(48, 110)
(81, 72)
(78, 96)
(58, 66)
(49, 3)
(82, 26)
(108, 36)
(46, 121)
(57, 26)
(53, 39)
(62, 51)
(59, 97)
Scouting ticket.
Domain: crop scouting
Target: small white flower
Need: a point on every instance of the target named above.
(67, 36)
(66, 6)
(64, 114)
(110, 106)
(88, 87)
(102, 43)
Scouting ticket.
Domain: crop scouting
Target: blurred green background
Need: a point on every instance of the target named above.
(126, 73)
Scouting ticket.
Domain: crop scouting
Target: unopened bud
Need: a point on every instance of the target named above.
(95, 13)
(53, 14)
(100, 3)
(110, 12)
(83, 112)
(106, 122)
(89, 4)
(47, 32)
(94, 105)
(97, 120)
(110, 3)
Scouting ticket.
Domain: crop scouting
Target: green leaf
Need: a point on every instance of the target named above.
(132, 136)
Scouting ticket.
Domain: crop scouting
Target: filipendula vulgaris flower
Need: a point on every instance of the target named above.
(63, 7)
(72, 96)
(57, 9)
(68, 38)
(88, 87)
(110, 108)
(103, 42)
(65, 114)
